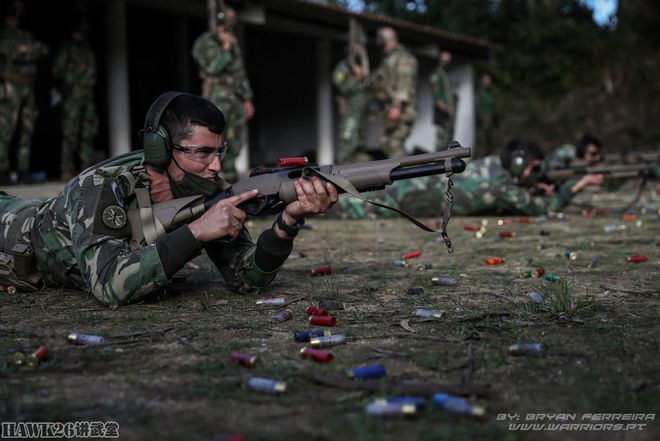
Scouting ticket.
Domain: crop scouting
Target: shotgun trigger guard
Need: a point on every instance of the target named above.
(262, 205)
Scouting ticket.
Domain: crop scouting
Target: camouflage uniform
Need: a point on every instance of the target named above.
(444, 121)
(69, 253)
(484, 188)
(560, 157)
(353, 110)
(485, 120)
(225, 84)
(75, 66)
(17, 74)
(394, 84)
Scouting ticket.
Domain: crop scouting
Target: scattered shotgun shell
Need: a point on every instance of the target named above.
(242, 359)
(411, 255)
(636, 259)
(593, 263)
(293, 162)
(418, 402)
(322, 270)
(84, 339)
(275, 301)
(415, 291)
(331, 305)
(613, 227)
(323, 320)
(327, 341)
(527, 349)
(629, 217)
(504, 222)
(383, 408)
(266, 384)
(525, 220)
(469, 227)
(538, 272)
(368, 372)
(506, 234)
(9, 289)
(427, 313)
(535, 297)
(458, 405)
(572, 255)
(313, 310)
(551, 277)
(305, 336)
(37, 356)
(444, 281)
(495, 260)
(282, 316)
(425, 266)
(544, 232)
(317, 355)
(400, 262)
(18, 358)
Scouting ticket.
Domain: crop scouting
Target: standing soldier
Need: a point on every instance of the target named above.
(349, 79)
(443, 97)
(225, 83)
(75, 67)
(19, 52)
(485, 114)
(394, 84)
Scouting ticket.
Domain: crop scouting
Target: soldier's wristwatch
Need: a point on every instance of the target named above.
(291, 230)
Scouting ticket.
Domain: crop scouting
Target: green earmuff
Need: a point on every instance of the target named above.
(155, 139)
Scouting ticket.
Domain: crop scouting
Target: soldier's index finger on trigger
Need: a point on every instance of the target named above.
(242, 197)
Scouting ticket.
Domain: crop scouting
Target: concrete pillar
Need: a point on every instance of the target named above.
(462, 77)
(324, 123)
(119, 125)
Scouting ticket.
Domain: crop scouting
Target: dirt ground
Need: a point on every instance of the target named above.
(164, 371)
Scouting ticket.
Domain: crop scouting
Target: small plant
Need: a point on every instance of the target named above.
(559, 298)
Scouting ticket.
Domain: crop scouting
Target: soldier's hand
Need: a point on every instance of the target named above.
(222, 219)
(314, 197)
(24, 48)
(358, 72)
(586, 181)
(394, 113)
(248, 109)
(226, 39)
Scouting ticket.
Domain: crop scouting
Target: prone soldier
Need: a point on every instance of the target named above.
(81, 239)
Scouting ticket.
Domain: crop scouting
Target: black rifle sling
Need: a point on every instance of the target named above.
(349, 188)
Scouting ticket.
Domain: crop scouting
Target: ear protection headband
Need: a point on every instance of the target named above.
(155, 139)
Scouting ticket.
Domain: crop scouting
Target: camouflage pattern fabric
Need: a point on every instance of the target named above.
(442, 94)
(225, 84)
(18, 69)
(484, 188)
(69, 254)
(394, 84)
(560, 157)
(352, 110)
(485, 120)
(75, 67)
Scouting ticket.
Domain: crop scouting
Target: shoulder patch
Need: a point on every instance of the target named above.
(340, 76)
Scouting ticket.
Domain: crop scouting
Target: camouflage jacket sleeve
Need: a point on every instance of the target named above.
(244, 91)
(403, 89)
(209, 55)
(344, 80)
(114, 274)
(512, 199)
(442, 88)
(237, 260)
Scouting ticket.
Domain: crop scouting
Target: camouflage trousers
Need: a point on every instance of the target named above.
(79, 127)
(352, 133)
(16, 221)
(236, 130)
(443, 134)
(17, 106)
(393, 134)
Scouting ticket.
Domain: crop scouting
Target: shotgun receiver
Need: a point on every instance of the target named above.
(276, 188)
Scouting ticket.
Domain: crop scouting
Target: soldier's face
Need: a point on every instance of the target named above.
(592, 154)
(530, 174)
(201, 140)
